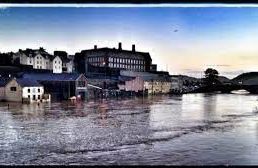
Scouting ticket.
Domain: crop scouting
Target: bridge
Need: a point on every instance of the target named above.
(253, 89)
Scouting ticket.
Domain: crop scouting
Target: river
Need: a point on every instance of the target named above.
(193, 129)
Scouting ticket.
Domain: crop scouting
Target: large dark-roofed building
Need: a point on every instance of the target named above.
(61, 86)
(112, 58)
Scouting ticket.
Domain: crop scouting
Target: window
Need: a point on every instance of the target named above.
(34, 97)
(38, 90)
(37, 62)
(55, 62)
(13, 88)
(81, 83)
(28, 90)
(29, 96)
(38, 96)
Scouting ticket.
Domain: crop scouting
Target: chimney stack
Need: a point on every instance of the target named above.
(120, 46)
(95, 47)
(133, 47)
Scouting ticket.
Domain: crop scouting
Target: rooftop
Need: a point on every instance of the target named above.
(27, 82)
(52, 76)
(114, 50)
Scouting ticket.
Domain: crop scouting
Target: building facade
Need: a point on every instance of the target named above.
(18, 90)
(38, 59)
(61, 86)
(134, 84)
(67, 61)
(57, 65)
(154, 83)
(112, 58)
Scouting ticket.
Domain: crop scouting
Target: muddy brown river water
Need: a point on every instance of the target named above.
(193, 129)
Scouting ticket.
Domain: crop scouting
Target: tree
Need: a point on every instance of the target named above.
(211, 76)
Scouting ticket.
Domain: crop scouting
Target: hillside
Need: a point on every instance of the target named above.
(245, 76)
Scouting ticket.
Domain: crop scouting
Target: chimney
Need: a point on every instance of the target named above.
(133, 47)
(95, 47)
(120, 46)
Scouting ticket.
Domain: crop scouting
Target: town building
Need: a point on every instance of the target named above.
(135, 84)
(61, 86)
(176, 83)
(20, 90)
(3, 82)
(38, 59)
(154, 83)
(67, 61)
(112, 58)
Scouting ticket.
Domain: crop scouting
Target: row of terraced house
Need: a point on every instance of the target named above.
(62, 76)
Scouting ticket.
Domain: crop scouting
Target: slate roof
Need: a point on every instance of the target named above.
(114, 50)
(155, 78)
(126, 78)
(52, 76)
(27, 82)
(4, 81)
(34, 52)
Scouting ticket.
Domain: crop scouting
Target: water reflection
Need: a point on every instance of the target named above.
(188, 129)
(209, 106)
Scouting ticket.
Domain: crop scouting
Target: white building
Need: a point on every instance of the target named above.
(20, 90)
(57, 65)
(39, 59)
(67, 61)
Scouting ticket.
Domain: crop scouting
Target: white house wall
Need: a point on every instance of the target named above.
(39, 62)
(57, 65)
(34, 91)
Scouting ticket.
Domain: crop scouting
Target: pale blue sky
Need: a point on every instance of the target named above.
(224, 38)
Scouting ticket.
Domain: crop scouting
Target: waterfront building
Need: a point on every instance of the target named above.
(154, 83)
(20, 90)
(3, 82)
(38, 59)
(61, 86)
(112, 58)
(176, 83)
(134, 84)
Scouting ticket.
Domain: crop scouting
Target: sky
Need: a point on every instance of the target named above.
(181, 40)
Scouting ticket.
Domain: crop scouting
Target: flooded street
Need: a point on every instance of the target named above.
(196, 129)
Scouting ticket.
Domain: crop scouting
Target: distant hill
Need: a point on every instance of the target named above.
(185, 77)
(245, 76)
(223, 79)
